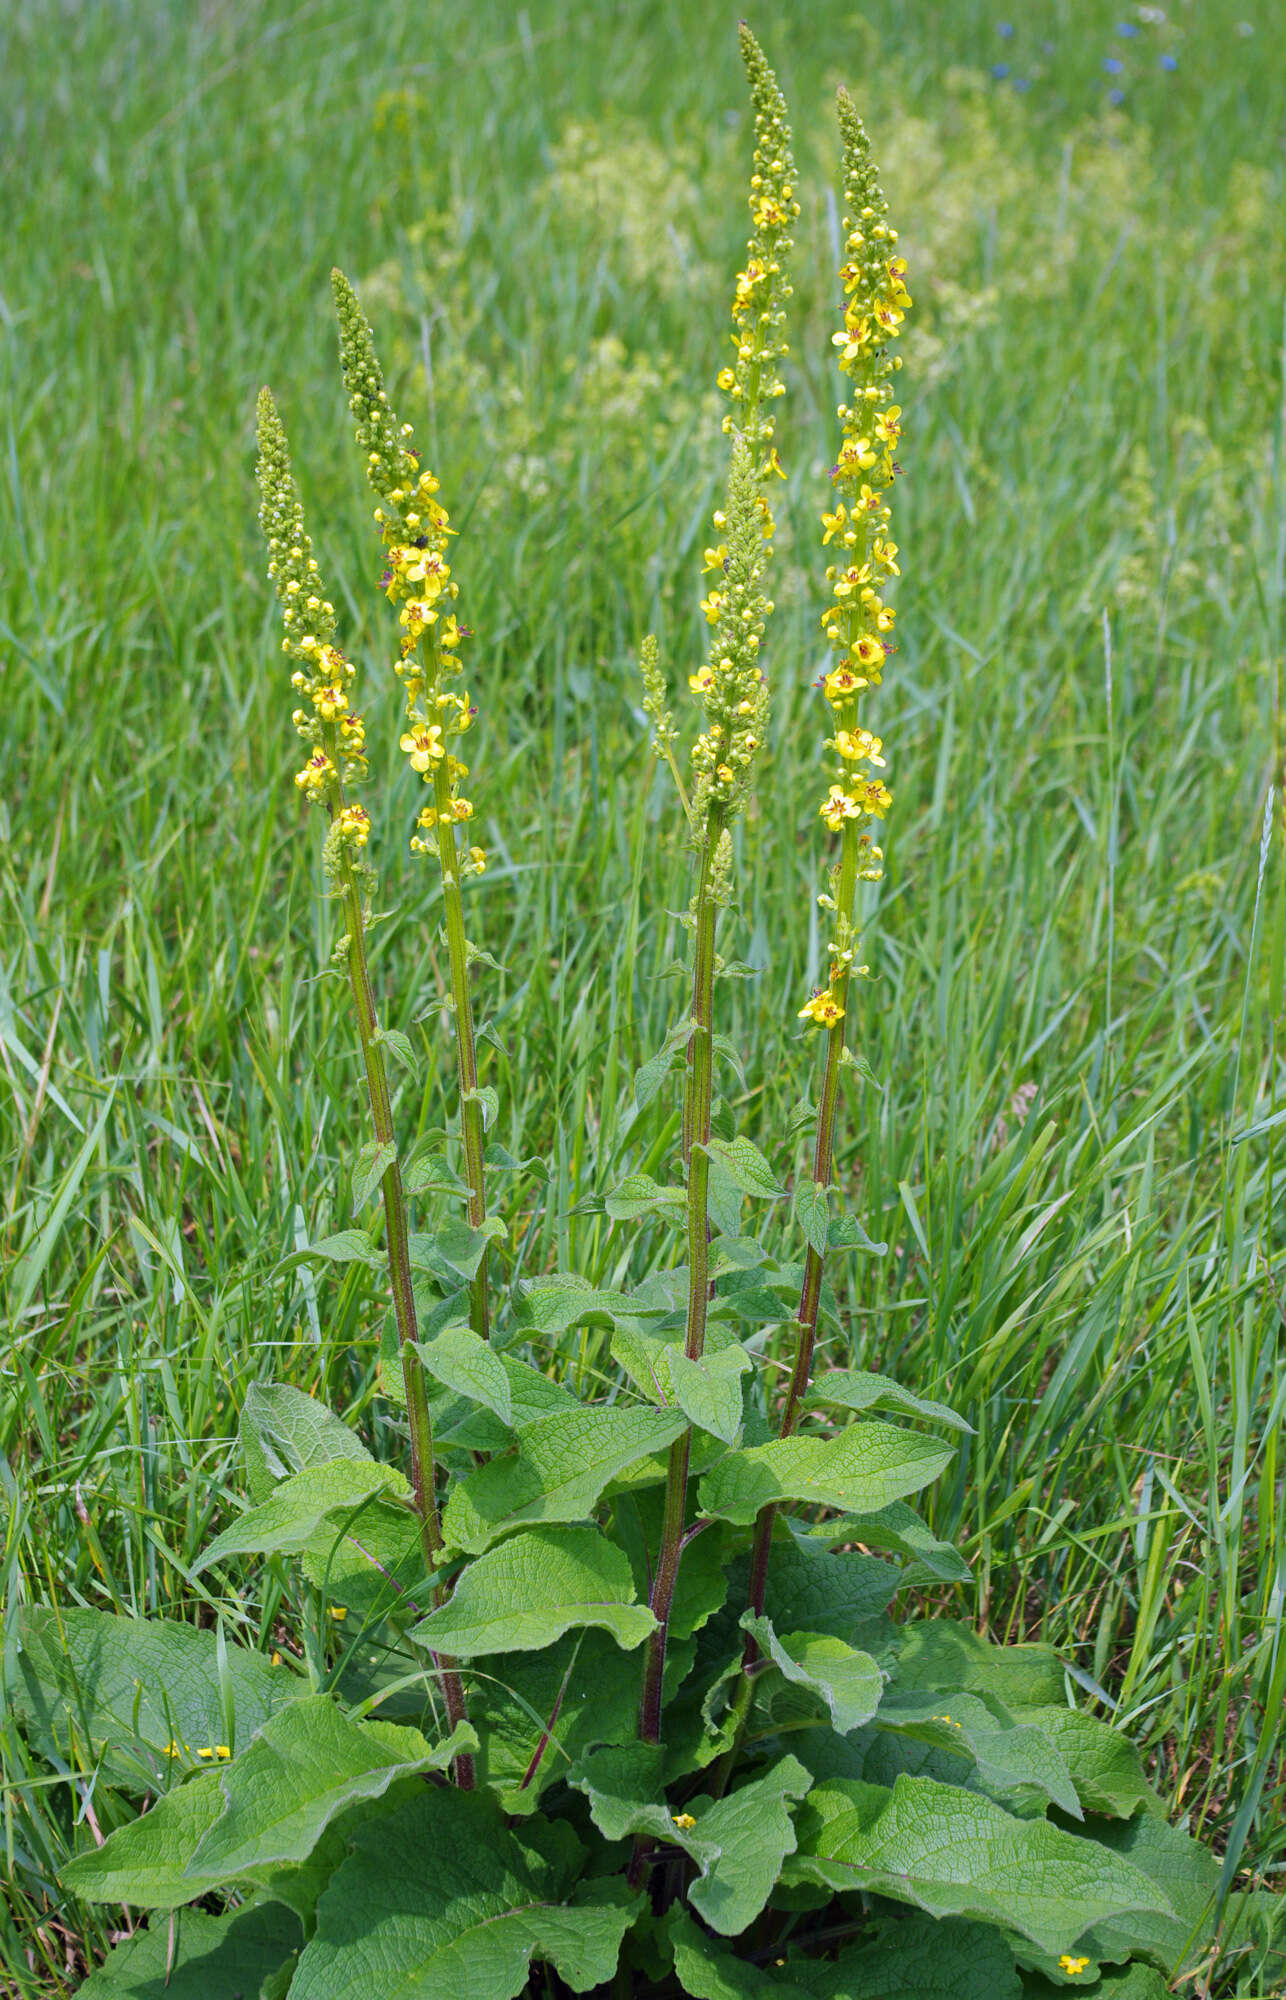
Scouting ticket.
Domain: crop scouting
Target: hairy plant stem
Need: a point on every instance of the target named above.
(814, 1262)
(471, 1128)
(697, 1099)
(398, 1252)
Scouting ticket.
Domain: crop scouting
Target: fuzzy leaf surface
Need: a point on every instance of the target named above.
(124, 1688)
(320, 1497)
(532, 1589)
(306, 1765)
(855, 1389)
(811, 1589)
(639, 1194)
(954, 1854)
(193, 1956)
(552, 1305)
(1186, 1872)
(144, 1863)
(372, 1163)
(709, 1390)
(747, 1168)
(346, 1246)
(1106, 1769)
(1011, 1757)
(283, 1431)
(865, 1467)
(849, 1682)
(469, 1926)
(461, 1360)
(899, 1531)
(558, 1472)
(943, 1654)
(738, 1842)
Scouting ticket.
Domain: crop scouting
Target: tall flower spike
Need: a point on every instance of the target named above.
(858, 620)
(334, 735)
(417, 578)
(323, 678)
(731, 684)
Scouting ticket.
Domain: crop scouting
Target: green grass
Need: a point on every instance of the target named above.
(1071, 1148)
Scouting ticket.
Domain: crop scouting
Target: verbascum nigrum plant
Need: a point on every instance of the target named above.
(608, 1695)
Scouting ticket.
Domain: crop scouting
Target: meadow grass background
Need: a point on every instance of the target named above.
(1070, 1147)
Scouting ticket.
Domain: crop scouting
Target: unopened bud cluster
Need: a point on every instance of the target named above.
(858, 621)
(732, 684)
(417, 578)
(323, 679)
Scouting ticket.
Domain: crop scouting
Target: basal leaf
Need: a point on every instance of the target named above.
(538, 1712)
(853, 1389)
(898, 1530)
(865, 1467)
(532, 1589)
(953, 1853)
(747, 1168)
(444, 1900)
(557, 1473)
(461, 1360)
(286, 1522)
(284, 1431)
(916, 1958)
(192, 1956)
(1186, 1874)
(942, 1654)
(811, 1589)
(738, 1842)
(144, 1863)
(849, 1682)
(1012, 1758)
(1105, 1766)
(91, 1688)
(708, 1969)
(306, 1765)
(709, 1391)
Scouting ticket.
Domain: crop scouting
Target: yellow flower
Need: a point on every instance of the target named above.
(338, 1612)
(711, 606)
(702, 682)
(683, 1820)
(220, 1751)
(716, 558)
(859, 743)
(887, 425)
(833, 523)
(823, 1010)
(423, 745)
(869, 651)
(354, 823)
(838, 806)
(726, 380)
(1069, 1964)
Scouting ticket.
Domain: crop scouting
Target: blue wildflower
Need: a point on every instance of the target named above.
(999, 71)
(1127, 29)
(1116, 97)
(1005, 29)
(1169, 62)
(1113, 65)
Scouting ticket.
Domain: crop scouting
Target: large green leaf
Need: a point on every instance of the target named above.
(1189, 1876)
(191, 1956)
(811, 1589)
(91, 1688)
(940, 1654)
(538, 1712)
(532, 1589)
(557, 1473)
(707, 1968)
(955, 1854)
(746, 1168)
(1105, 1766)
(1133, 1982)
(284, 1431)
(440, 1902)
(853, 1389)
(295, 1511)
(849, 1682)
(917, 1958)
(552, 1305)
(305, 1766)
(461, 1360)
(1015, 1760)
(738, 1842)
(866, 1467)
(145, 1863)
(899, 1531)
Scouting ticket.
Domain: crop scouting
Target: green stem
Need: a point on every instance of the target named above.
(398, 1253)
(814, 1263)
(471, 1129)
(697, 1100)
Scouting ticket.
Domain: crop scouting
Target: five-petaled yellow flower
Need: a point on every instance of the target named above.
(1073, 1965)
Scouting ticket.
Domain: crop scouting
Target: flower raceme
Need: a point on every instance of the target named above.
(326, 718)
(856, 527)
(417, 578)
